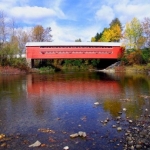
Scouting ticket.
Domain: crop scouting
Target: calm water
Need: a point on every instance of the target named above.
(64, 104)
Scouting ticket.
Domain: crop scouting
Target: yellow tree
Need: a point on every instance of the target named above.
(112, 34)
(106, 37)
(93, 39)
(115, 33)
(39, 34)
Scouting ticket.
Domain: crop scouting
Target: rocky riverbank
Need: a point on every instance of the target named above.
(137, 135)
(127, 69)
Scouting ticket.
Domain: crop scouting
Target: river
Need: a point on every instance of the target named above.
(51, 107)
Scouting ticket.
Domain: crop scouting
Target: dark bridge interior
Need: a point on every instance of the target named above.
(104, 63)
(100, 63)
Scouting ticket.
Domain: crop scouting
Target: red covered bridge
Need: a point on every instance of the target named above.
(73, 50)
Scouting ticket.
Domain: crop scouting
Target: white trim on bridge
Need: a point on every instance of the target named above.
(73, 44)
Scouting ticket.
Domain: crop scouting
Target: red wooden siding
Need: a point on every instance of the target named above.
(73, 52)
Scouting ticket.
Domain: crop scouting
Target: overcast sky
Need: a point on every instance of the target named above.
(73, 19)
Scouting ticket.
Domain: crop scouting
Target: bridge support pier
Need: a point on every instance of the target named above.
(30, 62)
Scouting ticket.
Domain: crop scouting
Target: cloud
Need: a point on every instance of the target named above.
(71, 33)
(127, 12)
(6, 5)
(28, 12)
(29, 15)
(71, 20)
(105, 13)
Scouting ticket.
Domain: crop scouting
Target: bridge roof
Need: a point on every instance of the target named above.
(73, 44)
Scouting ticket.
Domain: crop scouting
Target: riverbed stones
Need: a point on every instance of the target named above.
(137, 134)
(79, 134)
(3, 145)
(43, 145)
(130, 143)
(138, 146)
(105, 121)
(36, 144)
(2, 136)
(130, 121)
(119, 128)
(114, 126)
(132, 147)
(84, 134)
(46, 130)
(74, 135)
(118, 118)
(119, 112)
(124, 109)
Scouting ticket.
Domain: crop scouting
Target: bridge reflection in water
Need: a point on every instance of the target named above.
(72, 87)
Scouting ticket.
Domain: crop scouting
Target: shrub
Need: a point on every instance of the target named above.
(47, 69)
(133, 57)
(146, 55)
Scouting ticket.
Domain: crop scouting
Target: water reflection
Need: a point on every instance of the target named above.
(86, 87)
(64, 102)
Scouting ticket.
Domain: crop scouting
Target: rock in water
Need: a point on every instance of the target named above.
(80, 133)
(119, 129)
(130, 121)
(36, 144)
(74, 135)
(84, 134)
(96, 103)
(4, 145)
(66, 148)
(124, 109)
(2, 136)
(114, 126)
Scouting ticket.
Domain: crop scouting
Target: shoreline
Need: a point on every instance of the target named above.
(127, 69)
(124, 69)
(7, 70)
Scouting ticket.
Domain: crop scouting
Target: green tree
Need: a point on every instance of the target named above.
(97, 37)
(78, 40)
(133, 34)
(114, 22)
